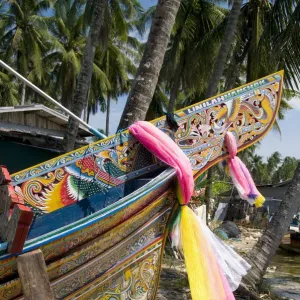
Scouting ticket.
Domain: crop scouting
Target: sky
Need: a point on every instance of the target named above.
(288, 143)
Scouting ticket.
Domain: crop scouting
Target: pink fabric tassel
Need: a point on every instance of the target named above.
(164, 148)
(240, 175)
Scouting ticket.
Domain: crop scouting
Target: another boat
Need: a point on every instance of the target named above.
(291, 243)
(101, 212)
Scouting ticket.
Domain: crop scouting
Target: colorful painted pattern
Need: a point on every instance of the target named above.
(93, 269)
(84, 264)
(248, 112)
(146, 206)
(136, 278)
(115, 252)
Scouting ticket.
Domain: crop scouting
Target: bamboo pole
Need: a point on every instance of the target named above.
(46, 96)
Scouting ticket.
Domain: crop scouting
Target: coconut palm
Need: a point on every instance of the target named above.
(227, 40)
(258, 49)
(64, 56)
(8, 90)
(261, 254)
(275, 45)
(196, 33)
(118, 65)
(143, 90)
(286, 170)
(266, 41)
(104, 16)
(24, 37)
(217, 73)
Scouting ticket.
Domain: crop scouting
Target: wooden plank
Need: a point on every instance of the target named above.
(34, 278)
(15, 199)
(15, 219)
(4, 175)
(18, 228)
(30, 119)
(5, 204)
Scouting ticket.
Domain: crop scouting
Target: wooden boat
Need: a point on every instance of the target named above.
(101, 212)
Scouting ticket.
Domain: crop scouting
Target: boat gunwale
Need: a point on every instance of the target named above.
(80, 224)
(113, 140)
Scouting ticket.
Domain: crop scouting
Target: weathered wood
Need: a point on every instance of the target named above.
(15, 199)
(34, 278)
(4, 175)
(15, 219)
(18, 228)
(5, 204)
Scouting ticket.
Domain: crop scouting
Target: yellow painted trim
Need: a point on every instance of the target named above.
(220, 158)
(155, 120)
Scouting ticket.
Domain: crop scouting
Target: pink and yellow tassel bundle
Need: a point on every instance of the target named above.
(208, 274)
(240, 175)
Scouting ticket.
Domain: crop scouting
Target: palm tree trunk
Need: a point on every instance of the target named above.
(262, 253)
(85, 75)
(208, 191)
(86, 108)
(174, 91)
(107, 115)
(235, 67)
(217, 74)
(23, 95)
(85, 113)
(146, 78)
(225, 47)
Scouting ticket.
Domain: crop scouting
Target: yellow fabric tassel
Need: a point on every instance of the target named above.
(259, 201)
(203, 273)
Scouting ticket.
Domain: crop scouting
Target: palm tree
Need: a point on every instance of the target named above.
(258, 49)
(24, 37)
(266, 41)
(260, 256)
(278, 47)
(286, 170)
(225, 48)
(273, 163)
(196, 33)
(118, 67)
(64, 56)
(8, 90)
(217, 74)
(147, 75)
(105, 15)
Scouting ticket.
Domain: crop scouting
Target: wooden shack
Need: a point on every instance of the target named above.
(238, 209)
(31, 134)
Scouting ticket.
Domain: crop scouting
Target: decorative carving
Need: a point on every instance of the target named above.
(248, 112)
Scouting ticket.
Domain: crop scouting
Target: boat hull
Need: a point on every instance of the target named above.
(101, 230)
(103, 248)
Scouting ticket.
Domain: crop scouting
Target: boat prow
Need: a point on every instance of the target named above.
(101, 212)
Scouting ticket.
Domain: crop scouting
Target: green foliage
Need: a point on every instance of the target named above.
(48, 50)
(221, 182)
(286, 170)
(220, 187)
(273, 171)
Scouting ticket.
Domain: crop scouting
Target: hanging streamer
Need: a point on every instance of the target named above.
(211, 276)
(240, 175)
